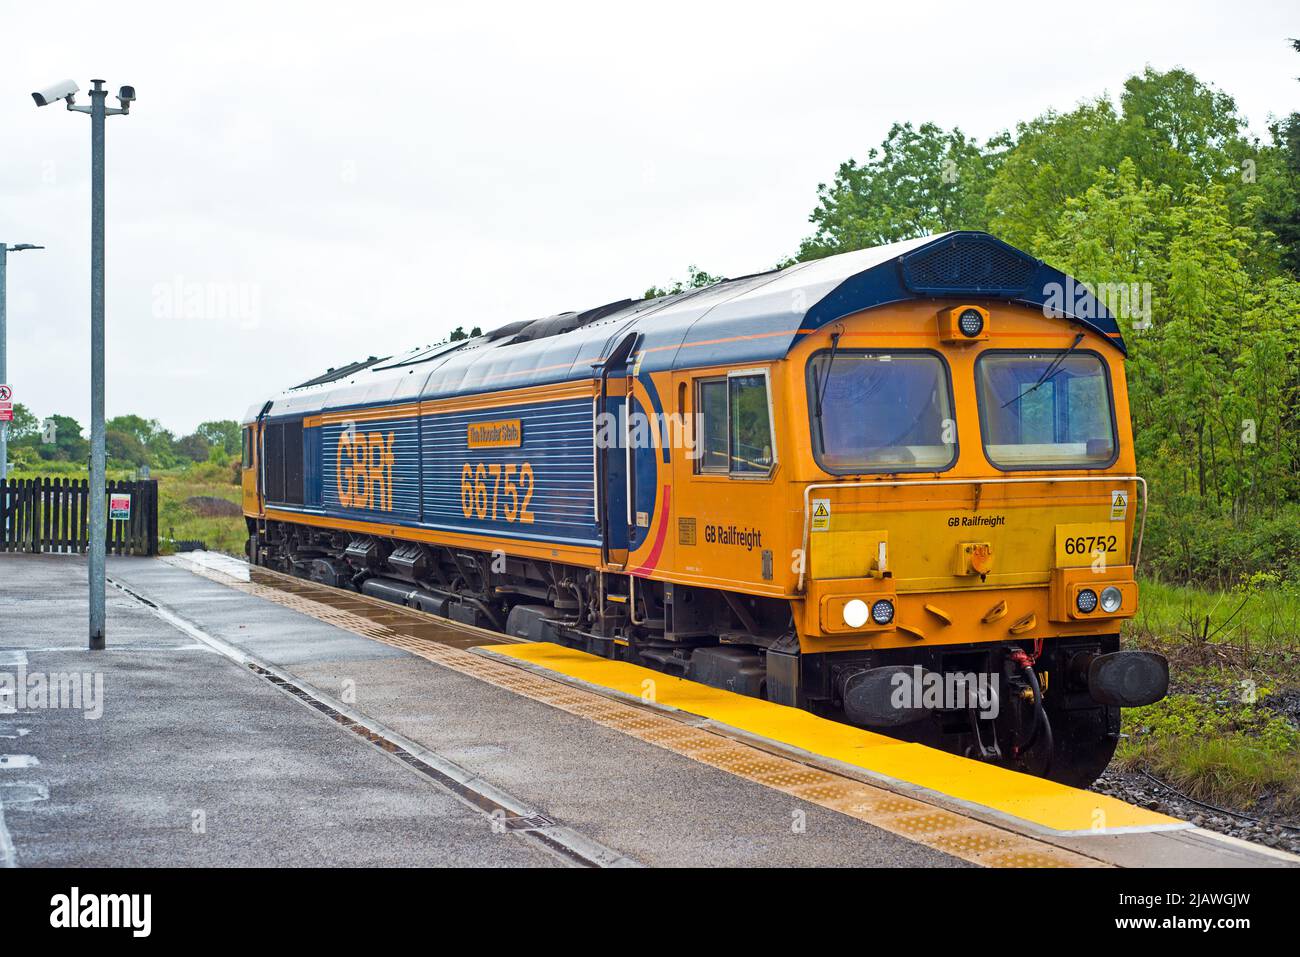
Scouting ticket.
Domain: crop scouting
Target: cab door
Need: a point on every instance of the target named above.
(250, 475)
(613, 454)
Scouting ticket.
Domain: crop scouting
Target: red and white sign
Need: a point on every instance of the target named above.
(119, 506)
(6, 403)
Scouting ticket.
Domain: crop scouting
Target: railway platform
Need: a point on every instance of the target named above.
(239, 717)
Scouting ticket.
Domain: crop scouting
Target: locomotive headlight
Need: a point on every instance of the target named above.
(855, 613)
(971, 323)
(1086, 600)
(882, 612)
(1111, 599)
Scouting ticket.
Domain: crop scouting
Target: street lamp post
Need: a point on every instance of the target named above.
(98, 110)
(5, 250)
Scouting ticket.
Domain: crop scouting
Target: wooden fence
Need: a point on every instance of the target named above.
(53, 515)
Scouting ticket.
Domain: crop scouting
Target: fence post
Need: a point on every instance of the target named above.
(153, 517)
(36, 516)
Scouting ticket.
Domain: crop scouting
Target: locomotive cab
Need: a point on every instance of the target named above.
(971, 524)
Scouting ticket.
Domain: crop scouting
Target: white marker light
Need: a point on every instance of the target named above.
(1111, 599)
(856, 613)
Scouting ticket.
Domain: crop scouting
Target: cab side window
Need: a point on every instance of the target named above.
(734, 425)
(248, 448)
(712, 425)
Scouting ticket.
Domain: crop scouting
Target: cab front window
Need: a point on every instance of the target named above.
(1045, 410)
(881, 412)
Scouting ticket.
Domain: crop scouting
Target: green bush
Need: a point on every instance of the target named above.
(1198, 547)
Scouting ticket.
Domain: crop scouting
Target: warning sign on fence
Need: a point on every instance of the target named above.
(119, 506)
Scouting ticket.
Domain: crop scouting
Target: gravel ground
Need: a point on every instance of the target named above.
(1285, 703)
(1141, 790)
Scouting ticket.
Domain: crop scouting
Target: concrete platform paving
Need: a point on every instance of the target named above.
(185, 730)
(193, 760)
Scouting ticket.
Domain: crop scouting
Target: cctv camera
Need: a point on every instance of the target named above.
(61, 90)
(126, 94)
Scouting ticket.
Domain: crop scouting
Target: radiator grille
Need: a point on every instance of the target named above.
(968, 265)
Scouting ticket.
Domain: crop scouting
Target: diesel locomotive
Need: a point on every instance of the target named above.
(895, 487)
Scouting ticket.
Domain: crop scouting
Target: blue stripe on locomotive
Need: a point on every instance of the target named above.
(557, 441)
(429, 453)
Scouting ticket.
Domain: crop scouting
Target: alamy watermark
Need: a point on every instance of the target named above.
(133, 912)
(24, 690)
(1123, 300)
(238, 302)
(918, 690)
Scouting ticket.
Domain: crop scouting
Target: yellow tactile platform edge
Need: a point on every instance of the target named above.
(1046, 804)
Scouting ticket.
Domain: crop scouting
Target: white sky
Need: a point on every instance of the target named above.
(359, 178)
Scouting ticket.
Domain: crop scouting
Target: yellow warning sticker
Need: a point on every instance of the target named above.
(1118, 505)
(821, 514)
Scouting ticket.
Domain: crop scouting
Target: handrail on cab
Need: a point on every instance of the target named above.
(1005, 480)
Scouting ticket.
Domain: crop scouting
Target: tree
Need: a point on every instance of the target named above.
(162, 450)
(193, 447)
(68, 444)
(459, 333)
(142, 429)
(695, 279)
(920, 181)
(125, 448)
(25, 426)
(1280, 177)
(1055, 156)
(1180, 131)
(223, 433)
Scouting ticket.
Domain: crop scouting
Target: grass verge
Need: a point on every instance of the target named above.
(181, 518)
(1229, 731)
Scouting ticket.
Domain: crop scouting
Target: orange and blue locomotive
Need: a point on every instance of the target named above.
(836, 485)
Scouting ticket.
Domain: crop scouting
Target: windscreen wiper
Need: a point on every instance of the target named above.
(821, 392)
(1049, 371)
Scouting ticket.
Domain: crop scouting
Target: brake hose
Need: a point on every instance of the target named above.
(1041, 722)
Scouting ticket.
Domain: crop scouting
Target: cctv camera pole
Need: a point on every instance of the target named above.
(98, 480)
(98, 476)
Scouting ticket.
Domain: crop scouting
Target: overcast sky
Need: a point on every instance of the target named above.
(304, 184)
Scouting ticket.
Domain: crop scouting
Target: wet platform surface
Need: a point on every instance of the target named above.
(193, 761)
(640, 787)
(185, 730)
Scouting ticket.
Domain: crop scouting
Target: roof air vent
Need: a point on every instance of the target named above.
(967, 265)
